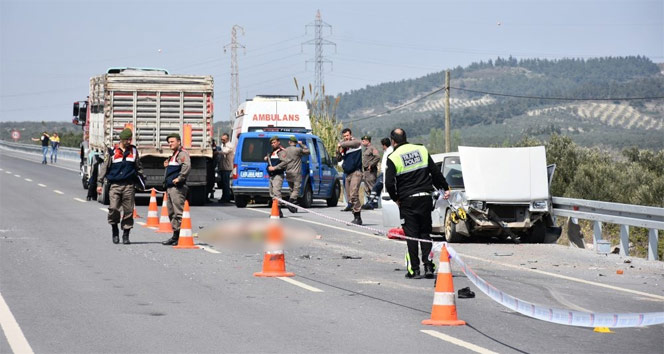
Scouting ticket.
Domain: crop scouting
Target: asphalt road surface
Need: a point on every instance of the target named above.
(65, 288)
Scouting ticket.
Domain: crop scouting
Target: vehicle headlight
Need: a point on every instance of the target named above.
(476, 204)
(539, 205)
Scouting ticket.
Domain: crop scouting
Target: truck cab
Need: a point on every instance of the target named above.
(250, 179)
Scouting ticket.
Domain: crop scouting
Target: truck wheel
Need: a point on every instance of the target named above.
(450, 229)
(334, 198)
(241, 201)
(308, 198)
(198, 195)
(537, 233)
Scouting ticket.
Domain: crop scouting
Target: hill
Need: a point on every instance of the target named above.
(586, 99)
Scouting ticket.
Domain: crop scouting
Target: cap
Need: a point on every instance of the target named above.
(366, 137)
(293, 138)
(173, 135)
(125, 134)
(273, 138)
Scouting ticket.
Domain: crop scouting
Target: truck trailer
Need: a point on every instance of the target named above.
(153, 104)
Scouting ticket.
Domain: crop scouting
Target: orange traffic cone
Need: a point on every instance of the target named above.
(443, 312)
(136, 216)
(164, 222)
(153, 218)
(274, 263)
(186, 240)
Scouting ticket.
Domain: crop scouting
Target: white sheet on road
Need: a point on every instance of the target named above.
(504, 174)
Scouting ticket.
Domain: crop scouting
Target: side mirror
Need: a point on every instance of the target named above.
(76, 109)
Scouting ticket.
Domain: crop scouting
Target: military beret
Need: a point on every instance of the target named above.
(125, 134)
(273, 138)
(293, 138)
(366, 137)
(173, 135)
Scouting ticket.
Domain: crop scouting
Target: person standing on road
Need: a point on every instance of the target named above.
(294, 153)
(276, 164)
(55, 145)
(226, 153)
(211, 170)
(350, 152)
(121, 167)
(44, 143)
(410, 177)
(175, 181)
(370, 159)
(378, 186)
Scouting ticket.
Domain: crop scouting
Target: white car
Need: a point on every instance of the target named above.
(503, 192)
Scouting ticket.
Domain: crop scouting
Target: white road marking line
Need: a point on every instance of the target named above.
(653, 296)
(140, 223)
(41, 185)
(57, 191)
(208, 249)
(300, 284)
(8, 172)
(19, 176)
(330, 226)
(1, 169)
(459, 342)
(104, 210)
(35, 161)
(28, 179)
(12, 330)
(80, 200)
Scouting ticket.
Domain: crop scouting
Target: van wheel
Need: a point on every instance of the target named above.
(336, 192)
(308, 198)
(241, 201)
(450, 229)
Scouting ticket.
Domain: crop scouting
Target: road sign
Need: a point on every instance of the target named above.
(16, 135)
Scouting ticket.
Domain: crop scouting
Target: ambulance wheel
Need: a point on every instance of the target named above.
(307, 198)
(241, 201)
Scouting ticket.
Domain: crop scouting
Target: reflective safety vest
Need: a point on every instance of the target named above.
(123, 164)
(408, 158)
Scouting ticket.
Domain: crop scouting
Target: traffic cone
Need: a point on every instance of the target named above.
(186, 240)
(153, 217)
(164, 222)
(136, 216)
(443, 312)
(274, 263)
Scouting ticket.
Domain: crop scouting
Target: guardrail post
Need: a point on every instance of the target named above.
(652, 244)
(597, 234)
(624, 240)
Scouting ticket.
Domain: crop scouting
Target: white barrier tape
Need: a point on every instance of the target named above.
(555, 315)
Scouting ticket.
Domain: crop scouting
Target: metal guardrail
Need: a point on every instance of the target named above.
(64, 153)
(625, 215)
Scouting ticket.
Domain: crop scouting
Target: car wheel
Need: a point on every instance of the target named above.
(308, 198)
(241, 201)
(334, 198)
(450, 229)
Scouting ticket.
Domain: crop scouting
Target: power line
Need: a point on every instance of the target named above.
(398, 107)
(560, 98)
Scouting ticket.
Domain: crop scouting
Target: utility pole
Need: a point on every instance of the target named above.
(235, 75)
(448, 143)
(319, 60)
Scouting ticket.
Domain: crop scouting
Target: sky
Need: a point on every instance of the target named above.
(50, 49)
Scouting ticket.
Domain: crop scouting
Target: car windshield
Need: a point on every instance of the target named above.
(452, 172)
(255, 149)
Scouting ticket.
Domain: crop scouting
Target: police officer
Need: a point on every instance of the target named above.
(175, 179)
(277, 163)
(370, 159)
(350, 152)
(409, 179)
(294, 153)
(121, 167)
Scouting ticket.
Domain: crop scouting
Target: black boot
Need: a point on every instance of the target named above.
(125, 236)
(348, 207)
(358, 219)
(429, 270)
(173, 240)
(291, 208)
(116, 233)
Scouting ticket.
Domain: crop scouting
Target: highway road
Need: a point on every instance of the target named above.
(65, 288)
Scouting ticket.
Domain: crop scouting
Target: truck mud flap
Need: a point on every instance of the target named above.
(552, 234)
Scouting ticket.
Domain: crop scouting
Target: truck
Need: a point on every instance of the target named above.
(153, 104)
(500, 193)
